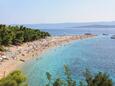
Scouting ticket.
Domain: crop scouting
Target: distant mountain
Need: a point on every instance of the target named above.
(73, 25)
(96, 26)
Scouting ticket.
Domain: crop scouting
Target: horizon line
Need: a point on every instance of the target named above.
(60, 22)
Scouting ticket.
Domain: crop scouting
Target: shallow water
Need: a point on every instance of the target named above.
(96, 54)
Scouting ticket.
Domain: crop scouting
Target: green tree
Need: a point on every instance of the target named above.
(49, 78)
(18, 38)
(16, 78)
(62, 82)
(68, 74)
(99, 79)
(19, 34)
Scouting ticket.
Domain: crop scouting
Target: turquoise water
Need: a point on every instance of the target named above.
(96, 54)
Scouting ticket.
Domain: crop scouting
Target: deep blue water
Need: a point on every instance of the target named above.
(73, 31)
(67, 29)
(96, 54)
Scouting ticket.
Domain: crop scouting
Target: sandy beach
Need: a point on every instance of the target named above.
(17, 55)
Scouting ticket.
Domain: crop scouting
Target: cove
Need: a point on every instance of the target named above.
(96, 54)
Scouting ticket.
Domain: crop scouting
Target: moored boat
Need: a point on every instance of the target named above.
(113, 37)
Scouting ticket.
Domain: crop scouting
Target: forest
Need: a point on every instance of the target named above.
(16, 35)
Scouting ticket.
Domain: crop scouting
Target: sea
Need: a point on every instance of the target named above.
(95, 54)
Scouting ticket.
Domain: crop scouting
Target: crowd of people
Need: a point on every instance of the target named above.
(22, 53)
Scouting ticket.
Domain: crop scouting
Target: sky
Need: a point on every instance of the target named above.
(55, 11)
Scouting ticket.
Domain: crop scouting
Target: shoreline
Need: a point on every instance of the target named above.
(17, 55)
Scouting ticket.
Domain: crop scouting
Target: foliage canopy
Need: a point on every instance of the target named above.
(16, 35)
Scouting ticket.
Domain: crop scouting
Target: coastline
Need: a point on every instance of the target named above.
(17, 55)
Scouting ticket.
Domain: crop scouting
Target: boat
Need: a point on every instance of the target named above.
(105, 34)
(113, 37)
(88, 34)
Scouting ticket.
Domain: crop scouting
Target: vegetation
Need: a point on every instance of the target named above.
(2, 48)
(15, 35)
(100, 79)
(15, 78)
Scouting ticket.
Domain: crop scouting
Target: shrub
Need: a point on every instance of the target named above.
(100, 79)
(16, 78)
